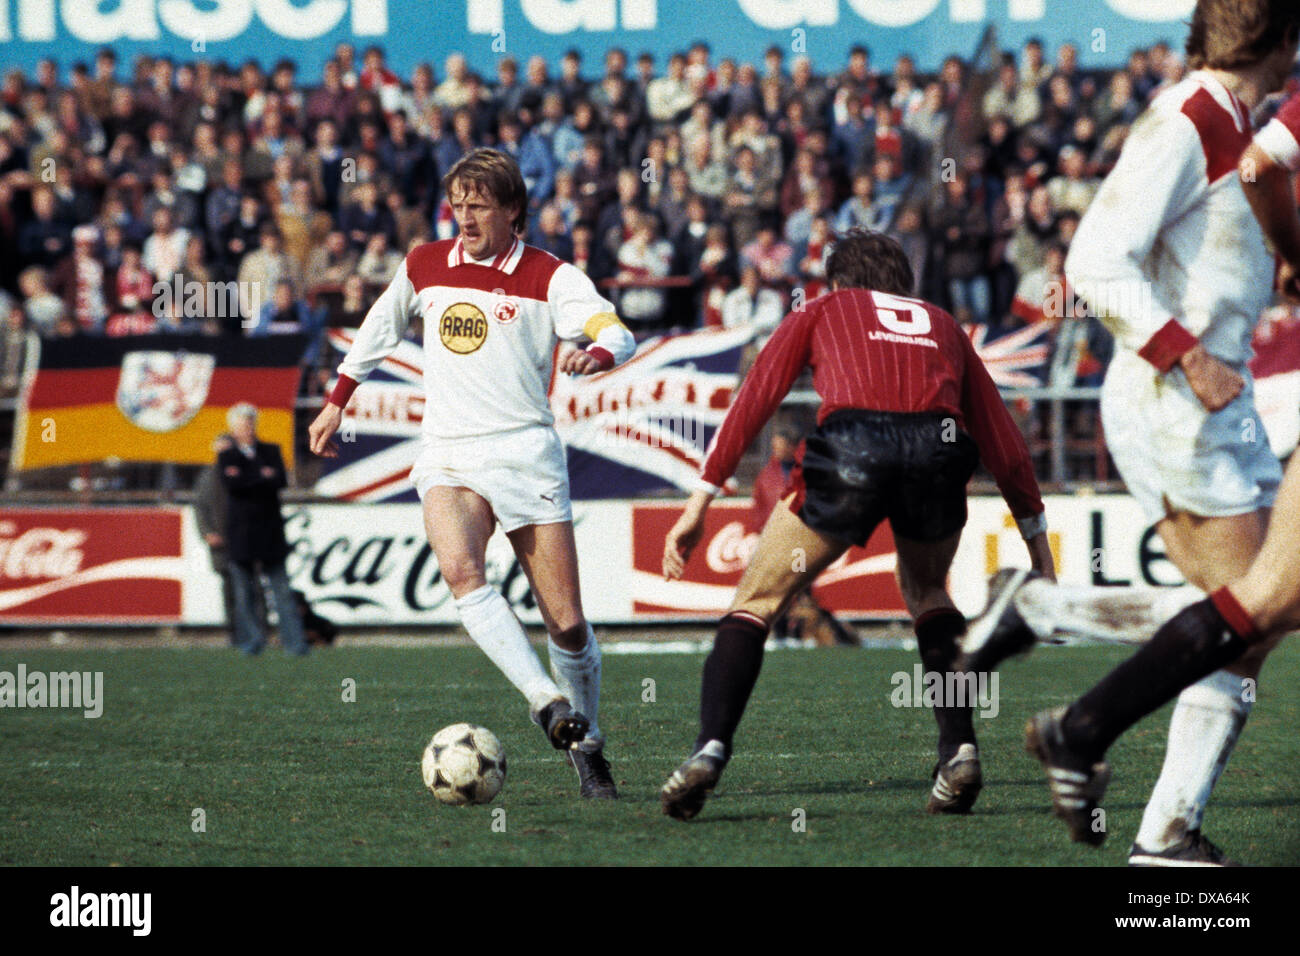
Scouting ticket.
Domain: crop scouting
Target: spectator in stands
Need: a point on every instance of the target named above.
(1027, 249)
(566, 198)
(628, 196)
(302, 225)
(330, 264)
(751, 305)
(571, 84)
(532, 153)
(773, 259)
(909, 230)
(572, 135)
(751, 195)
(799, 224)
(669, 98)
(349, 310)
(805, 176)
(454, 92)
(1073, 189)
(861, 210)
(964, 235)
(593, 181)
(673, 205)
(551, 234)
(812, 255)
(379, 262)
(79, 280)
(929, 122)
(1012, 98)
(644, 256)
(409, 160)
(261, 269)
(164, 250)
(44, 310)
(44, 241)
(364, 217)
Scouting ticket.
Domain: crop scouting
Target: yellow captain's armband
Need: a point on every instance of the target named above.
(599, 323)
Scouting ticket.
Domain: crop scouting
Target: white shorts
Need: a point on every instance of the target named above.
(1174, 455)
(522, 474)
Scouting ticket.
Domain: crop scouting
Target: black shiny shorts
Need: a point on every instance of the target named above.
(861, 467)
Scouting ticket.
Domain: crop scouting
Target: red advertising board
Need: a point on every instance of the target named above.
(90, 566)
(860, 584)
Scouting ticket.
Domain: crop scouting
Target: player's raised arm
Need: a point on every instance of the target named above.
(582, 312)
(380, 333)
(1267, 171)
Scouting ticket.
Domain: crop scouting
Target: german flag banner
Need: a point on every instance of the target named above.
(150, 397)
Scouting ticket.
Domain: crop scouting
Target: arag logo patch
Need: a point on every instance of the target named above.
(463, 328)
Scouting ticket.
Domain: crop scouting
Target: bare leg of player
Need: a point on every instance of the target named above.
(459, 523)
(549, 557)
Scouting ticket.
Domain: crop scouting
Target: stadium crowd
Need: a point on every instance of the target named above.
(700, 192)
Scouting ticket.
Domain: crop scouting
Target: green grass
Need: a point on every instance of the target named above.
(287, 773)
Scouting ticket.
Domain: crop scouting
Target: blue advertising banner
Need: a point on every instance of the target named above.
(412, 31)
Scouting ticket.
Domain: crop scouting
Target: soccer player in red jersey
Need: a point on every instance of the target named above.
(908, 412)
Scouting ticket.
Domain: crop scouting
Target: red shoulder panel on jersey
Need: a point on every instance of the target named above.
(1289, 115)
(1222, 141)
(426, 265)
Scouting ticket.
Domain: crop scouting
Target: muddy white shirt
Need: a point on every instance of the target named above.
(1169, 252)
(490, 329)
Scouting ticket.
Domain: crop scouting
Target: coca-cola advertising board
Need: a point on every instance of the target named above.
(370, 566)
(92, 565)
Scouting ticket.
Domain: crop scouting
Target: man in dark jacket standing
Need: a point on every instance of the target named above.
(253, 473)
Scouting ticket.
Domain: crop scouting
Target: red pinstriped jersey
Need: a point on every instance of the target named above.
(878, 352)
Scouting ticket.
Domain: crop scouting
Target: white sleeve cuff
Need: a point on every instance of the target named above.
(1279, 143)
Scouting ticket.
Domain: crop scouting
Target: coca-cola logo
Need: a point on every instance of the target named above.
(359, 571)
(730, 549)
(40, 552)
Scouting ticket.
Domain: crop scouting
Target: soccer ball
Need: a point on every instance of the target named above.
(464, 764)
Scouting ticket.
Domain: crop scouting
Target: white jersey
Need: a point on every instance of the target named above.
(490, 329)
(1169, 249)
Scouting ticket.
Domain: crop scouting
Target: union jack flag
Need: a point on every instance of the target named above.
(1018, 359)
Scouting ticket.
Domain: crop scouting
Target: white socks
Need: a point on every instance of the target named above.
(494, 628)
(1205, 726)
(577, 673)
(1122, 615)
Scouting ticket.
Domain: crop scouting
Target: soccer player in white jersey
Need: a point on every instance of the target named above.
(1251, 615)
(493, 308)
(1173, 261)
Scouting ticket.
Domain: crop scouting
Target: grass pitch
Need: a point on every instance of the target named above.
(287, 772)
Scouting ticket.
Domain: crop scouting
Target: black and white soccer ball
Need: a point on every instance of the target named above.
(464, 763)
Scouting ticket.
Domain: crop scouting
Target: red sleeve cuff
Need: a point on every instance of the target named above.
(604, 356)
(343, 391)
(1168, 345)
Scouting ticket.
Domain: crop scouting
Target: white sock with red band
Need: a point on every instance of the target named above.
(578, 675)
(1207, 721)
(495, 629)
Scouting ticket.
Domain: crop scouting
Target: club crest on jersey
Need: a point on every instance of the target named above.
(161, 391)
(505, 311)
(463, 328)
